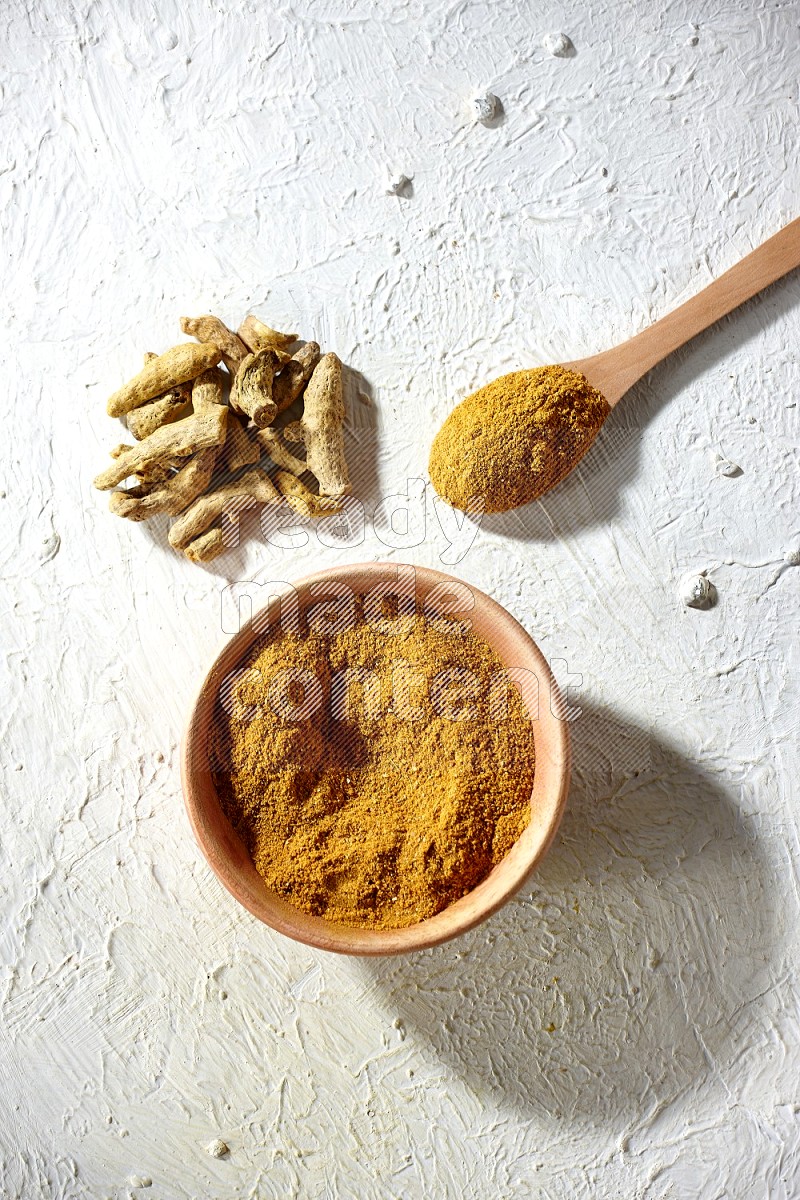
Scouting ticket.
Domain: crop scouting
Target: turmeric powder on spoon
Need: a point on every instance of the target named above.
(513, 440)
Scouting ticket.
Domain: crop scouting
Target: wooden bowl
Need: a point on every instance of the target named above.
(227, 855)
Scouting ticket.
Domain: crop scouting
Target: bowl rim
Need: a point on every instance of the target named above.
(462, 915)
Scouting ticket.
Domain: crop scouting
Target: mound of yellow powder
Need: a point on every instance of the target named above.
(516, 438)
(403, 787)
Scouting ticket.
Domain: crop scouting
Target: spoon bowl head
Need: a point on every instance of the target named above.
(515, 439)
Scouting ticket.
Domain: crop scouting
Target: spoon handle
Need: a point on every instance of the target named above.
(774, 258)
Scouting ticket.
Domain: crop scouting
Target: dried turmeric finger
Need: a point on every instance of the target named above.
(303, 501)
(294, 376)
(322, 425)
(145, 419)
(205, 547)
(180, 439)
(255, 486)
(173, 495)
(240, 449)
(211, 329)
(207, 390)
(258, 336)
(251, 393)
(148, 417)
(271, 441)
(163, 373)
(153, 473)
(293, 431)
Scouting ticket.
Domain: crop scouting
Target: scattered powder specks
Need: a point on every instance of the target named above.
(398, 184)
(558, 44)
(485, 107)
(167, 39)
(50, 547)
(724, 466)
(697, 591)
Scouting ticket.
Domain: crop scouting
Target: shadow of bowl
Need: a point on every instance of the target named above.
(631, 973)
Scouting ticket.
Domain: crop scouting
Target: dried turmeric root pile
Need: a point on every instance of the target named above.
(204, 411)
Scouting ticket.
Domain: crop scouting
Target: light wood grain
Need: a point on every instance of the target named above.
(615, 371)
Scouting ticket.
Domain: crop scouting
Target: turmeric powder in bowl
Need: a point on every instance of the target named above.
(376, 768)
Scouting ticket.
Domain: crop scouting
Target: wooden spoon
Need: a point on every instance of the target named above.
(516, 438)
(615, 371)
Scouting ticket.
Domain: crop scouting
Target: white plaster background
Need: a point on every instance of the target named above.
(177, 158)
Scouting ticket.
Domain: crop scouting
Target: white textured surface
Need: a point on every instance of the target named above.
(629, 1027)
